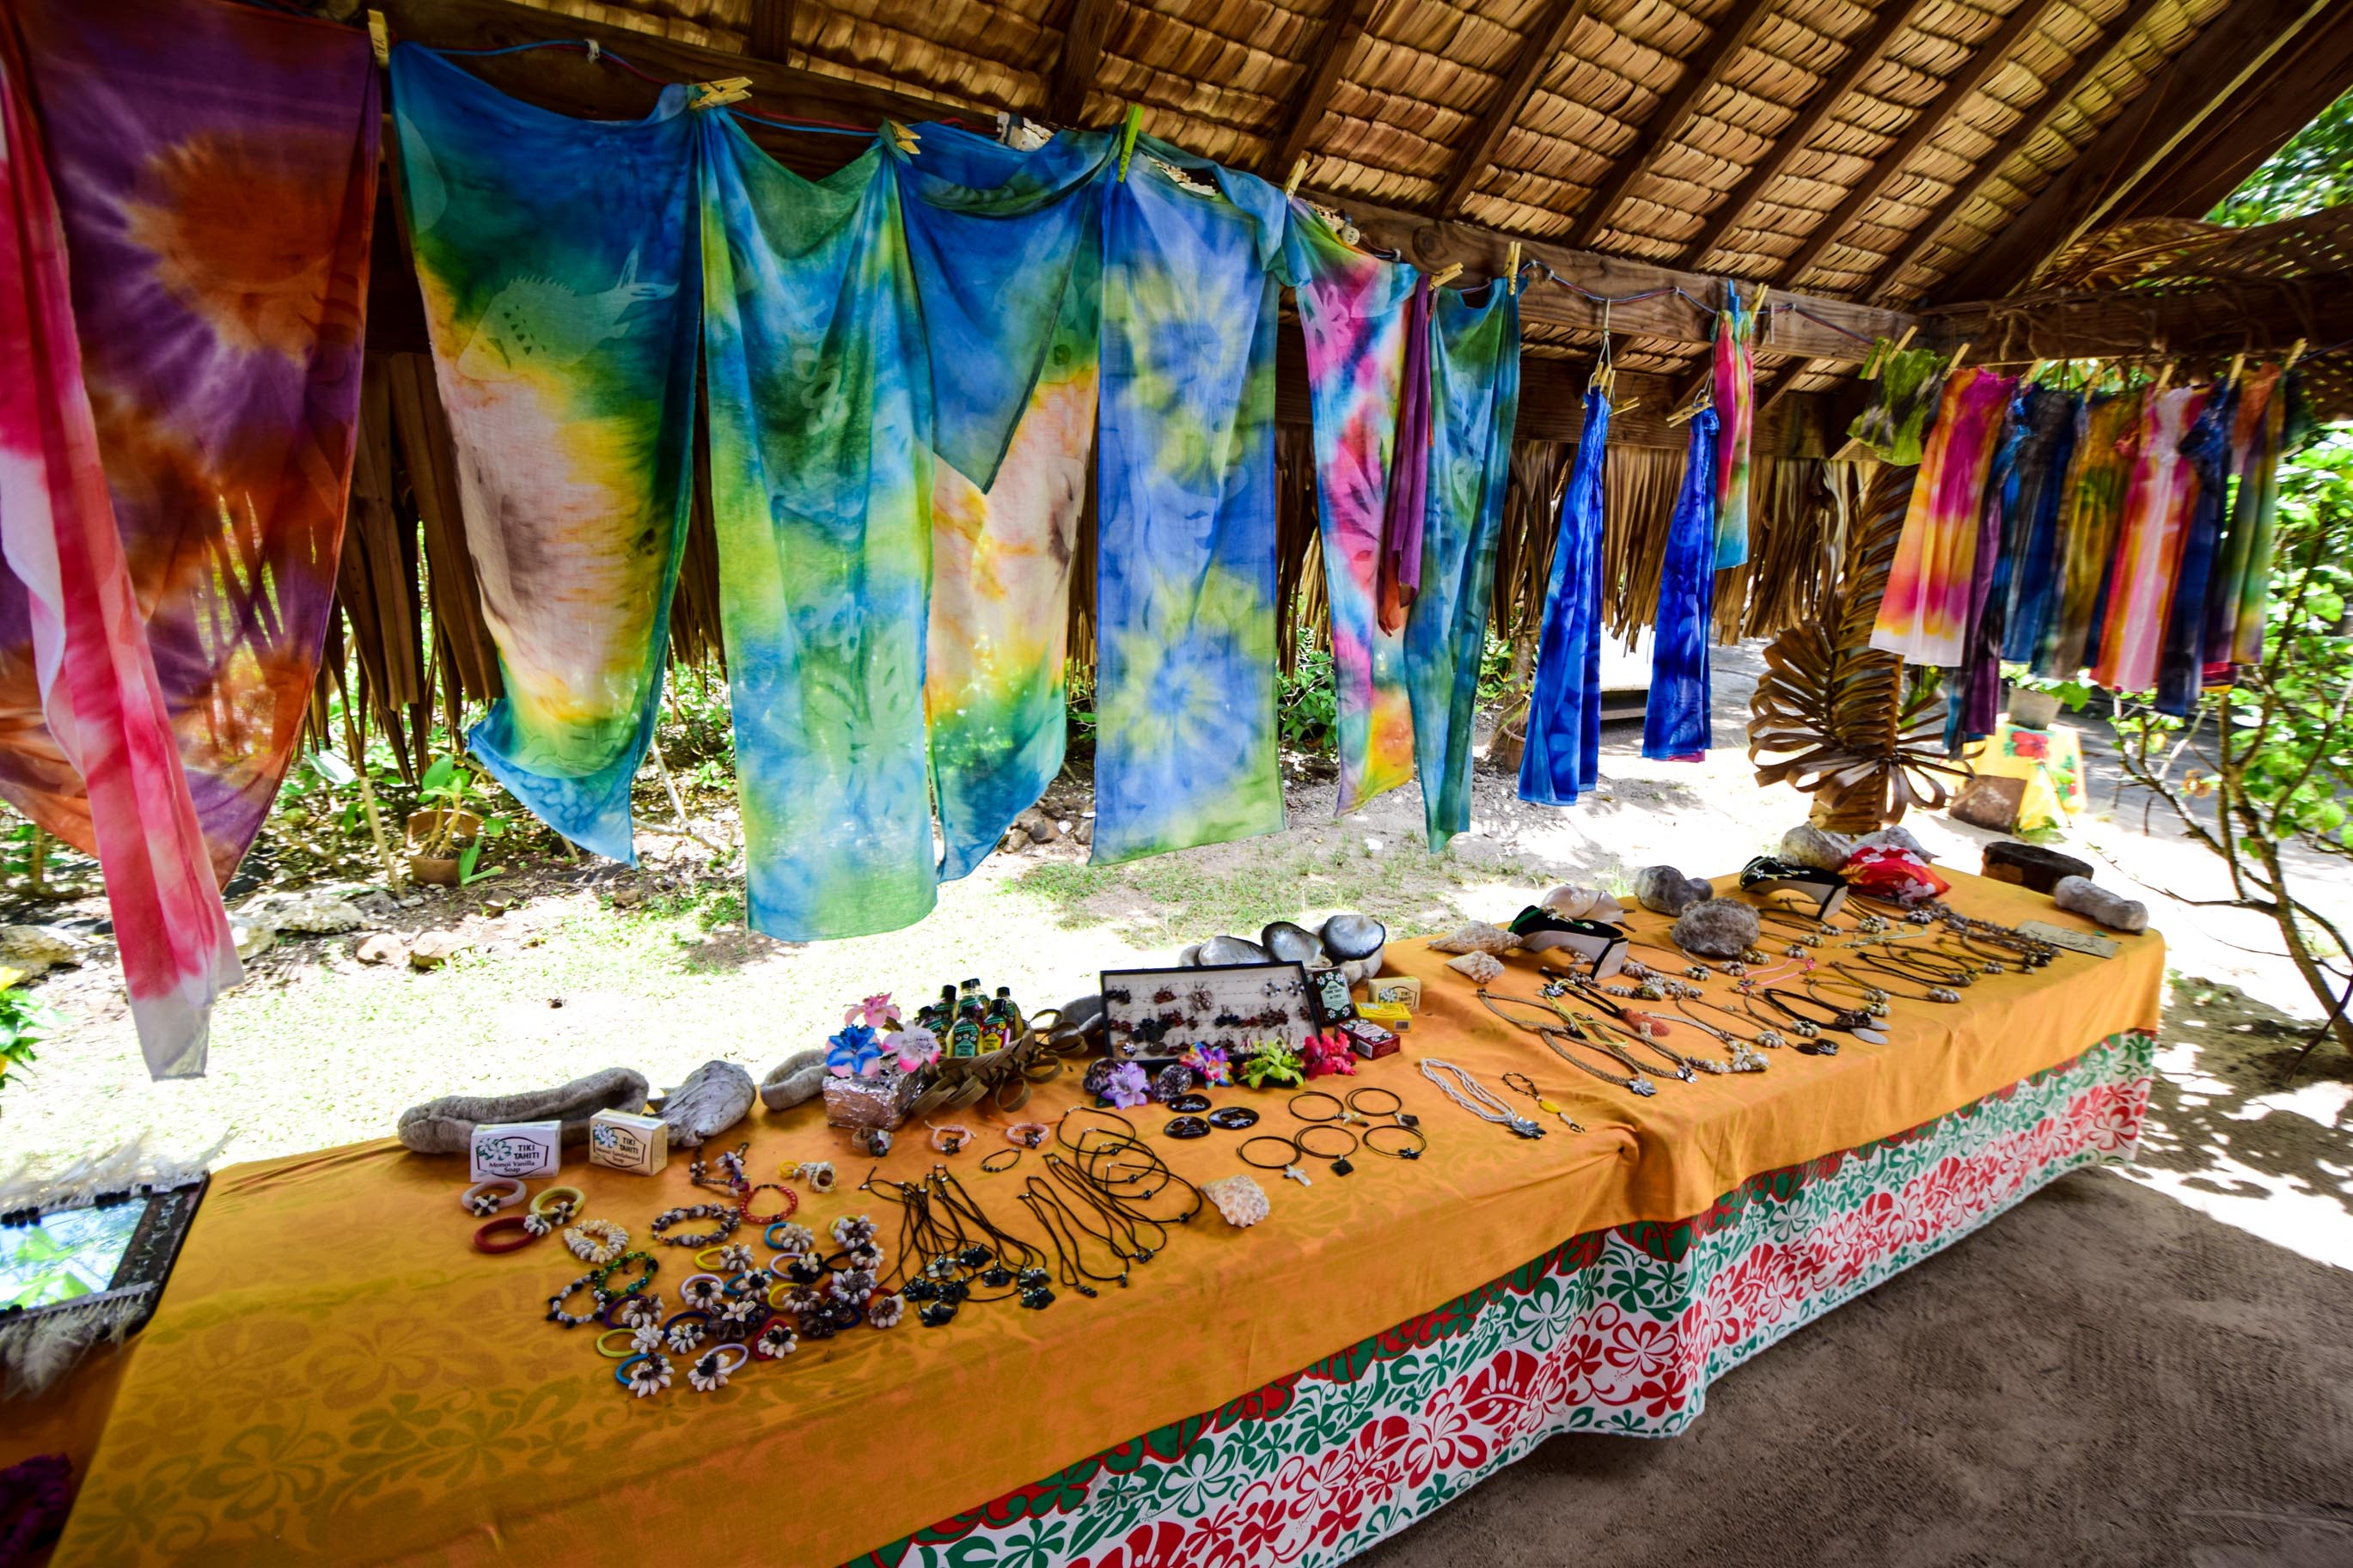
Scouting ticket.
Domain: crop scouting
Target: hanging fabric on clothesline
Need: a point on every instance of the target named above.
(2148, 543)
(1925, 615)
(2106, 444)
(2182, 655)
(1676, 719)
(2270, 420)
(1473, 400)
(1735, 383)
(1353, 313)
(1564, 733)
(1007, 251)
(820, 489)
(2029, 583)
(559, 268)
(70, 588)
(1185, 746)
(215, 169)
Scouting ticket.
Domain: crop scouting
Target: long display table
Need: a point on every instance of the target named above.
(335, 1373)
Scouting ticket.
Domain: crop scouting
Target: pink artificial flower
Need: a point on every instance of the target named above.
(915, 1047)
(876, 1012)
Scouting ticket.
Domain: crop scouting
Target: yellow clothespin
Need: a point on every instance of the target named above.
(1127, 133)
(2294, 353)
(2238, 363)
(726, 89)
(1512, 268)
(1619, 409)
(904, 137)
(1298, 172)
(1444, 276)
(1958, 356)
(2165, 376)
(380, 37)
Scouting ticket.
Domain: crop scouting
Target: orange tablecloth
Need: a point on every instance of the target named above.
(334, 1371)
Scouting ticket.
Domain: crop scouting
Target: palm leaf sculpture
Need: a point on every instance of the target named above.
(1830, 716)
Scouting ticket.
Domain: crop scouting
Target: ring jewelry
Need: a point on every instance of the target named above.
(817, 1173)
(481, 1201)
(570, 1197)
(951, 1139)
(1459, 1086)
(597, 1240)
(517, 1223)
(1029, 1135)
(643, 1374)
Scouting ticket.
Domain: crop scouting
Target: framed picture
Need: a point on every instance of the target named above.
(1157, 1015)
(1335, 1003)
(96, 1269)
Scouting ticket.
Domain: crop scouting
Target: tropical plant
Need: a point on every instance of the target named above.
(450, 792)
(1307, 703)
(2265, 764)
(25, 1021)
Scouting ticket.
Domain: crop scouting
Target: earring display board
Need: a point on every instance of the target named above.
(1156, 1014)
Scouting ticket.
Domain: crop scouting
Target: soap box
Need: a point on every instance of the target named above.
(517, 1149)
(1389, 1015)
(1402, 989)
(620, 1141)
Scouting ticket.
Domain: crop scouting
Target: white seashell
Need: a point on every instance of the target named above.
(1477, 937)
(1241, 1201)
(1480, 967)
(1571, 903)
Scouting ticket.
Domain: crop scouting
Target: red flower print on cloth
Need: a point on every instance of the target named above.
(1160, 1544)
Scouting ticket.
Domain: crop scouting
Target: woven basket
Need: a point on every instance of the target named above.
(1005, 1076)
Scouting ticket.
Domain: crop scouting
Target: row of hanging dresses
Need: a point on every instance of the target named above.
(186, 262)
(1564, 730)
(1923, 617)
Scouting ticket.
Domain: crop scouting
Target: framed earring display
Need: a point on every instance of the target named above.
(1157, 1015)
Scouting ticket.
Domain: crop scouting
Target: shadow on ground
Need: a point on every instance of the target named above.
(2102, 1376)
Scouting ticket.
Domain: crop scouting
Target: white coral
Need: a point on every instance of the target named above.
(1480, 967)
(1242, 1200)
(1477, 937)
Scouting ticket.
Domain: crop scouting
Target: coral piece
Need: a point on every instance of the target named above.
(714, 1096)
(445, 1126)
(1893, 838)
(1664, 890)
(1239, 1199)
(1810, 846)
(1479, 967)
(1477, 937)
(795, 1080)
(1719, 928)
(2083, 896)
(1571, 903)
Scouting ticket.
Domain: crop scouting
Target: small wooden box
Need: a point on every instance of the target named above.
(619, 1141)
(519, 1149)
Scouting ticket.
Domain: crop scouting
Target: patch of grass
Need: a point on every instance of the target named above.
(1198, 894)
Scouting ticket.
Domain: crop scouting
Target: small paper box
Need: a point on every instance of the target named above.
(619, 1141)
(1333, 1002)
(1403, 990)
(1389, 1015)
(1368, 1039)
(517, 1149)
(878, 1102)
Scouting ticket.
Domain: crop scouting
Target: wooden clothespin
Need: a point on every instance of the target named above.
(726, 89)
(1444, 276)
(1958, 356)
(904, 138)
(2295, 353)
(2238, 363)
(380, 37)
(1127, 133)
(2165, 376)
(1617, 410)
(1688, 412)
(1512, 268)
(1298, 172)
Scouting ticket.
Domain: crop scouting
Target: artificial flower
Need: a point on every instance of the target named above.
(914, 1049)
(1209, 1065)
(854, 1051)
(792, 1240)
(1326, 1056)
(1127, 1086)
(649, 1376)
(709, 1374)
(1276, 1063)
(876, 1012)
(776, 1339)
(885, 1311)
(685, 1336)
(853, 1230)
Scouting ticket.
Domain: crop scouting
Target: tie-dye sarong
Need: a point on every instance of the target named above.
(215, 168)
(2181, 659)
(1924, 617)
(558, 262)
(1185, 749)
(1736, 412)
(2148, 543)
(1675, 721)
(2029, 580)
(1352, 311)
(2107, 441)
(1475, 403)
(1563, 745)
(69, 582)
(2269, 418)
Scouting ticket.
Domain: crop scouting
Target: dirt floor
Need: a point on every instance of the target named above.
(2139, 1368)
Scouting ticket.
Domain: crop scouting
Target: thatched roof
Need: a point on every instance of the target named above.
(1828, 147)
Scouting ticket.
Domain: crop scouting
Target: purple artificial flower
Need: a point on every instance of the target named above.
(1129, 1086)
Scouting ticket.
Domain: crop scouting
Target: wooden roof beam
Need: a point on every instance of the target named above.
(1735, 208)
(1666, 122)
(1074, 73)
(2208, 74)
(1924, 125)
(1546, 39)
(2095, 55)
(1675, 307)
(1330, 56)
(771, 31)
